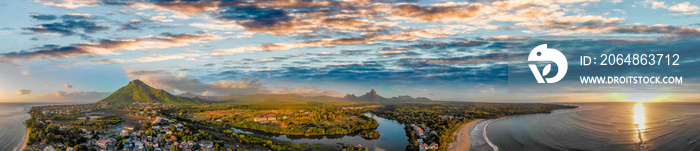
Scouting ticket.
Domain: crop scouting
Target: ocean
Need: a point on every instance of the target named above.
(596, 126)
(12, 130)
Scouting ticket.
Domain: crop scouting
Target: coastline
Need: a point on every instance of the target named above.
(26, 139)
(462, 142)
(486, 138)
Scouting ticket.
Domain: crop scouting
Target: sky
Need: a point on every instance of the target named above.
(443, 50)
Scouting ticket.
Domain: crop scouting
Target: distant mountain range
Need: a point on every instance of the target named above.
(372, 96)
(137, 91)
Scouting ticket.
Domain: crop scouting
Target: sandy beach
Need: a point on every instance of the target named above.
(461, 138)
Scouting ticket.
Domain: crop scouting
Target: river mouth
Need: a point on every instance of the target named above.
(393, 137)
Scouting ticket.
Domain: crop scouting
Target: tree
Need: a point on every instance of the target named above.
(172, 128)
(219, 147)
(80, 148)
(175, 148)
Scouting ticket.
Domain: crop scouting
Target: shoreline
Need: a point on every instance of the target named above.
(26, 132)
(493, 146)
(462, 141)
(26, 139)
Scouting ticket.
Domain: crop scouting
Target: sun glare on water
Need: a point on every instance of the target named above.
(639, 123)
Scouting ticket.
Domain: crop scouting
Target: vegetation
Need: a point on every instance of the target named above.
(353, 148)
(42, 132)
(374, 134)
(277, 98)
(290, 118)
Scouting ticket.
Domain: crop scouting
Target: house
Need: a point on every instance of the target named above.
(130, 128)
(433, 146)
(104, 143)
(423, 147)
(157, 120)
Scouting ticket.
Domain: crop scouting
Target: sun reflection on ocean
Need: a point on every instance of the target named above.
(640, 123)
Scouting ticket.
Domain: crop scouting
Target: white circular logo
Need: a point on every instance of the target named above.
(541, 53)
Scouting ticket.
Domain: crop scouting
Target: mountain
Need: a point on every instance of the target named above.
(372, 96)
(406, 98)
(194, 96)
(277, 98)
(138, 92)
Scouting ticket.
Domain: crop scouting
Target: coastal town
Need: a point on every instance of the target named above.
(155, 133)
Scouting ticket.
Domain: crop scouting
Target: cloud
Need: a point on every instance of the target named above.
(167, 57)
(147, 23)
(94, 62)
(109, 46)
(43, 17)
(70, 25)
(182, 83)
(654, 4)
(76, 16)
(684, 7)
(660, 29)
(67, 86)
(212, 26)
(394, 52)
(71, 4)
(445, 12)
(403, 36)
(468, 59)
(574, 24)
(183, 7)
(307, 92)
(74, 96)
(244, 86)
(55, 96)
(505, 37)
(24, 92)
(146, 72)
(160, 19)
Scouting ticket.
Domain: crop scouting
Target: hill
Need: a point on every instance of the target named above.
(138, 92)
(372, 96)
(194, 96)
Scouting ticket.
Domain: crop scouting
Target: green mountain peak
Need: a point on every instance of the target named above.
(139, 92)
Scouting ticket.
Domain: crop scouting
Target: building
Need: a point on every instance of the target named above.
(130, 128)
